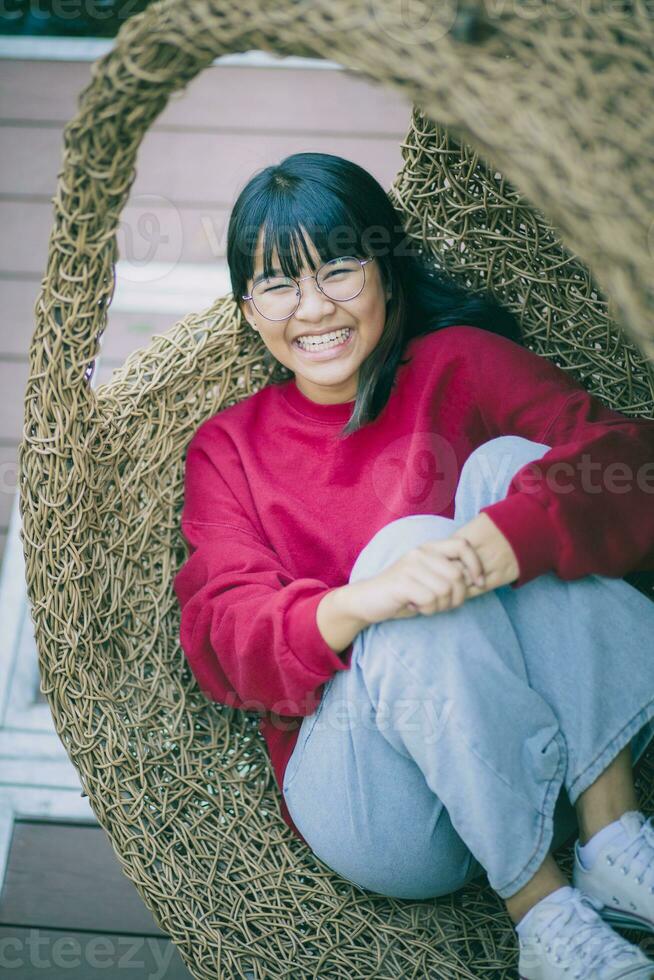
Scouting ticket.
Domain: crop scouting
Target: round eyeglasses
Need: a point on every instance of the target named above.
(278, 297)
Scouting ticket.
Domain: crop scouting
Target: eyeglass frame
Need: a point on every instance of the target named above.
(278, 319)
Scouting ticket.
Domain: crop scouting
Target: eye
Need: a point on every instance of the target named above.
(275, 284)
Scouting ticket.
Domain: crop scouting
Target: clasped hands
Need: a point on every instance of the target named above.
(480, 559)
(437, 575)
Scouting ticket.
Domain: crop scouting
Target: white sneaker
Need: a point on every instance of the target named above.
(622, 875)
(568, 940)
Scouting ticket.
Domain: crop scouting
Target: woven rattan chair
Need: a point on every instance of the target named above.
(554, 101)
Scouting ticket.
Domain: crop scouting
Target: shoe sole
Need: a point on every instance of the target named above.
(625, 919)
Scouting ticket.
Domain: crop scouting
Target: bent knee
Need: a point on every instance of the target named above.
(487, 472)
(396, 538)
(408, 864)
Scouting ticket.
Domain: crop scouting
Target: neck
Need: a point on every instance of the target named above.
(327, 394)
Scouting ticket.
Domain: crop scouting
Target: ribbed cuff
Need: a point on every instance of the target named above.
(306, 641)
(526, 526)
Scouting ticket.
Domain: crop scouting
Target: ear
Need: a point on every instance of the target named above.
(247, 315)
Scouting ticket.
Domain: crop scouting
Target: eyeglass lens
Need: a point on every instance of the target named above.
(340, 279)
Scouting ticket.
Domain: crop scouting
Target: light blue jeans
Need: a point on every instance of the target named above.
(458, 743)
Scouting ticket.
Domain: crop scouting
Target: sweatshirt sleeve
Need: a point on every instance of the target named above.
(587, 505)
(248, 628)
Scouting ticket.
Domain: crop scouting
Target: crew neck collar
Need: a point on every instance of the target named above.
(338, 412)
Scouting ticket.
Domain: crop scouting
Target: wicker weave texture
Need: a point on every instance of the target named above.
(183, 787)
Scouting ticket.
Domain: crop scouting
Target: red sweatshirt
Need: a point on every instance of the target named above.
(276, 509)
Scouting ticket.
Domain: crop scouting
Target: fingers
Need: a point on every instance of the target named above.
(465, 571)
(458, 570)
(443, 573)
(473, 563)
(459, 547)
(438, 584)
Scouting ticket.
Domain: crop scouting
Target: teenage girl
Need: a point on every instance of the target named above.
(407, 554)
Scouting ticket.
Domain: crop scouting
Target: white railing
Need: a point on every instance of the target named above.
(28, 48)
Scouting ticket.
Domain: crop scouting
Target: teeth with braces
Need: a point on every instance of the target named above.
(326, 340)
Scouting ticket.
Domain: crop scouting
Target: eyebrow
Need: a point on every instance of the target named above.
(274, 271)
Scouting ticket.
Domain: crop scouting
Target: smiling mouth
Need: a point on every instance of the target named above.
(316, 344)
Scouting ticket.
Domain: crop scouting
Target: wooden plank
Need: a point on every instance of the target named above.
(39, 953)
(222, 97)
(15, 743)
(13, 382)
(8, 479)
(17, 323)
(189, 168)
(13, 611)
(125, 331)
(60, 773)
(43, 803)
(151, 229)
(53, 876)
(41, 90)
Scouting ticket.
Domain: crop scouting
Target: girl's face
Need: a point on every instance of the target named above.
(331, 376)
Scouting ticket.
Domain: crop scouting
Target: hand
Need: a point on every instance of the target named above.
(435, 576)
(495, 552)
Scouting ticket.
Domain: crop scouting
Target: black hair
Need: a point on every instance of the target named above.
(345, 211)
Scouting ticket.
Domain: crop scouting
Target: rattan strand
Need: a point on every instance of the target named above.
(558, 99)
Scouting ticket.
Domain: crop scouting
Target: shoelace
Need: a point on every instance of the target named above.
(643, 854)
(603, 952)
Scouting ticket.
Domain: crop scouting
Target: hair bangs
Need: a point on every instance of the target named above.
(291, 222)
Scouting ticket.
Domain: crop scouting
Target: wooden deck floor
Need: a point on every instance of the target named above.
(66, 909)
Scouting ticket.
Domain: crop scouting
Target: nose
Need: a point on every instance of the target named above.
(314, 305)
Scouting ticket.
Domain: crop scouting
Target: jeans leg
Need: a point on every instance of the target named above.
(364, 809)
(593, 664)
(452, 733)
(488, 745)
(523, 703)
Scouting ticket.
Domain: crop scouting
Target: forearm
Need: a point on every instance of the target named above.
(495, 552)
(337, 622)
